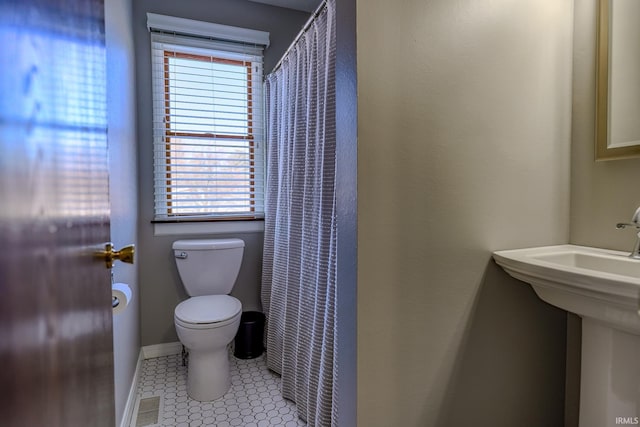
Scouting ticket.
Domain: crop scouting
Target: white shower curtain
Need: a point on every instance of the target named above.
(298, 285)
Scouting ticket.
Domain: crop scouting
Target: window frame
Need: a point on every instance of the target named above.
(250, 55)
(168, 134)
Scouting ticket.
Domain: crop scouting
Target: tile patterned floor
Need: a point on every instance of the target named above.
(254, 399)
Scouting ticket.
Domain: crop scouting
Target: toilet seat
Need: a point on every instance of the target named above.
(206, 312)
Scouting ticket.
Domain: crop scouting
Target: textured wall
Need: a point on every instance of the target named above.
(123, 188)
(160, 285)
(464, 120)
(602, 193)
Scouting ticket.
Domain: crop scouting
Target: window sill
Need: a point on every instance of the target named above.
(207, 227)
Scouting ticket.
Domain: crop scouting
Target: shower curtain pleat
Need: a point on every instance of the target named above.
(298, 285)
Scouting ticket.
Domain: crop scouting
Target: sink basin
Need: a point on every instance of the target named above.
(597, 260)
(603, 287)
(598, 283)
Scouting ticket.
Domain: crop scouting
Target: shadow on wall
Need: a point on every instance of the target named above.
(510, 369)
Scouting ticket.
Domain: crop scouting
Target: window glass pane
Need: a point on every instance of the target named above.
(208, 97)
(210, 178)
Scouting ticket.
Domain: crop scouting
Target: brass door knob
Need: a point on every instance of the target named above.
(108, 255)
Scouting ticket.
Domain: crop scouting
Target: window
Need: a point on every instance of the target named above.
(208, 128)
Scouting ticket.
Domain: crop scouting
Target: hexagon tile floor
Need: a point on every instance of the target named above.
(254, 399)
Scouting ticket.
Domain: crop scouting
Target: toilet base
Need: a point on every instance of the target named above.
(208, 376)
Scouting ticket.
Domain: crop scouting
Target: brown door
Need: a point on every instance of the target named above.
(56, 355)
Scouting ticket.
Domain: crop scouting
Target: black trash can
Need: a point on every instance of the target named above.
(248, 342)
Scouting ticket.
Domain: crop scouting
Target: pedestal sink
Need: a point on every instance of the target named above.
(603, 287)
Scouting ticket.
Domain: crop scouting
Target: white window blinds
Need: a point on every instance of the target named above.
(208, 127)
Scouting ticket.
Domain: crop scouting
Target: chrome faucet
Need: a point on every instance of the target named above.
(635, 222)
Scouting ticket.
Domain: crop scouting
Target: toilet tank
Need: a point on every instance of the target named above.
(208, 266)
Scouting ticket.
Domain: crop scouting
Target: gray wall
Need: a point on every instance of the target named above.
(160, 286)
(123, 188)
(602, 193)
(346, 362)
(464, 131)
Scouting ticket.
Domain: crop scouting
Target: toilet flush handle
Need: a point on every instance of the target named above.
(181, 255)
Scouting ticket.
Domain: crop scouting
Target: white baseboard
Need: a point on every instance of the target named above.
(133, 393)
(159, 350)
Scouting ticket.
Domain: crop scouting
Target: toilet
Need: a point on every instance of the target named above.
(208, 321)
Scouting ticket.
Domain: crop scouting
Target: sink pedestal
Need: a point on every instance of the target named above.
(602, 286)
(610, 376)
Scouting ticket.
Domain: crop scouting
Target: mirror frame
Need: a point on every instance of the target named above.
(603, 152)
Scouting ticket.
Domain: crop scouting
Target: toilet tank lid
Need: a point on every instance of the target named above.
(207, 244)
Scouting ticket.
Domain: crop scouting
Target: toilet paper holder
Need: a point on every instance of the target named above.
(121, 296)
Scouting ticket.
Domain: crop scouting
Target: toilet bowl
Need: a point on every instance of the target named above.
(207, 322)
(206, 325)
